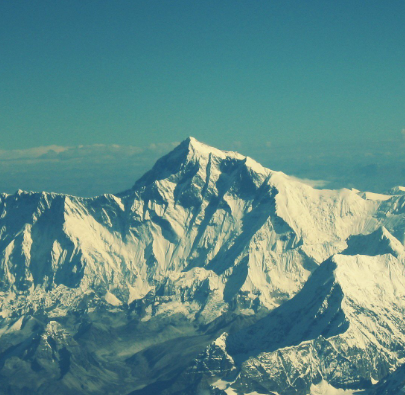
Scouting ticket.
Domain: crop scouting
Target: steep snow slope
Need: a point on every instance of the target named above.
(344, 330)
(379, 242)
(205, 237)
(199, 216)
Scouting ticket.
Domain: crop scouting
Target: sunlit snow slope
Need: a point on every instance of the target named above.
(122, 293)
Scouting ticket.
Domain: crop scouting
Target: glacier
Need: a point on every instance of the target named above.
(211, 275)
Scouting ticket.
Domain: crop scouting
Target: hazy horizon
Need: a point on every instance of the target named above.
(97, 169)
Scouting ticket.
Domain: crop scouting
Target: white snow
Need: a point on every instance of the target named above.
(323, 388)
(374, 196)
(210, 228)
(112, 299)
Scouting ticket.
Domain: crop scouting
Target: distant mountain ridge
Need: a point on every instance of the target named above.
(257, 277)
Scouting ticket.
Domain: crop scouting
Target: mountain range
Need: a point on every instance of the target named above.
(211, 275)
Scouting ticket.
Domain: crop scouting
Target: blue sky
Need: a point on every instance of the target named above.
(243, 75)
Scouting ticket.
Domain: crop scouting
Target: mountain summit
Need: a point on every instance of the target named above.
(212, 273)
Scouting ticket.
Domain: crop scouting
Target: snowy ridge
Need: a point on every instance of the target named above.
(342, 332)
(206, 241)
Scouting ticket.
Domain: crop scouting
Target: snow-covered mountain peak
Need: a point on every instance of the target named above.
(398, 190)
(379, 242)
(344, 328)
(201, 149)
(192, 157)
(204, 238)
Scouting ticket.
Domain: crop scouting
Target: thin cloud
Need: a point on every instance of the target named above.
(30, 153)
(84, 170)
(163, 147)
(312, 183)
(102, 152)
